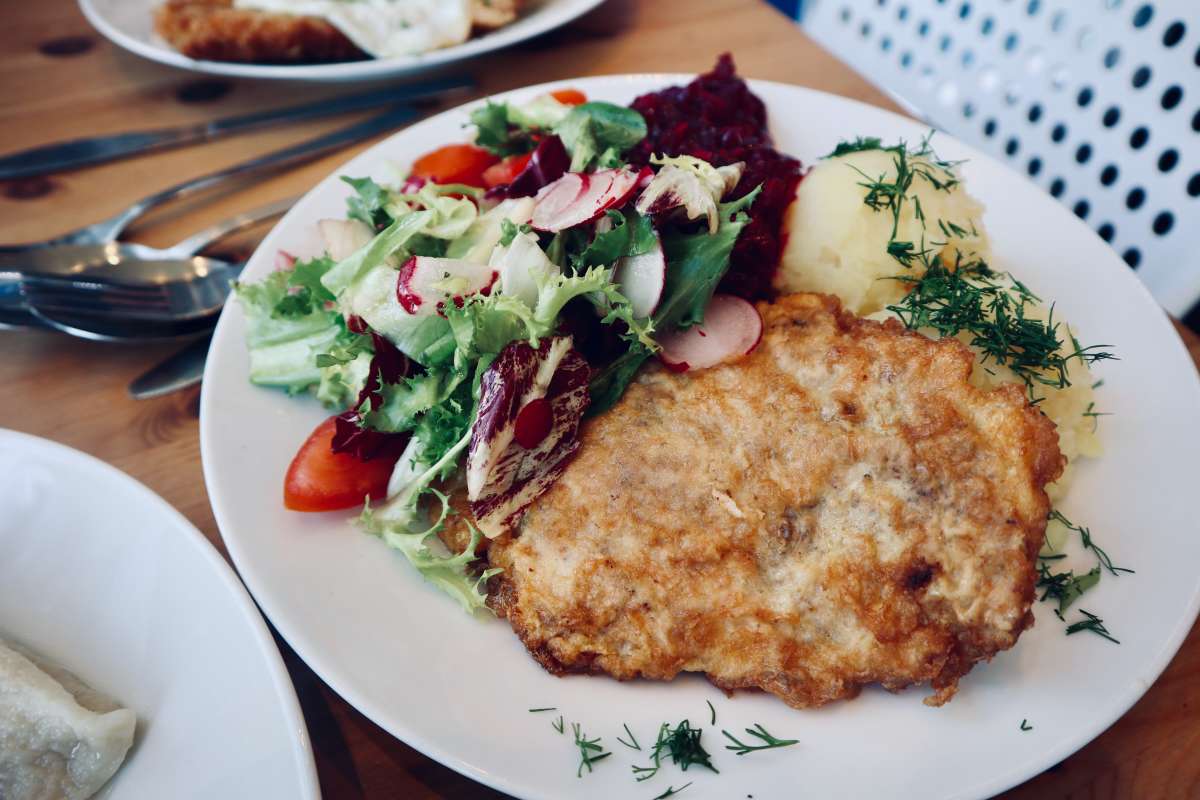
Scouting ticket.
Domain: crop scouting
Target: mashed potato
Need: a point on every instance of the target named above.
(838, 244)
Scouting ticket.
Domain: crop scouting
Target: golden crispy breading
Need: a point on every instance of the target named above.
(491, 14)
(215, 30)
(838, 508)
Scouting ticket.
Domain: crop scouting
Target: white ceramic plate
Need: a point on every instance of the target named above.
(101, 575)
(459, 688)
(130, 24)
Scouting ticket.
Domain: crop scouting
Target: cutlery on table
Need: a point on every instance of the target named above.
(130, 291)
(98, 149)
(178, 371)
(31, 257)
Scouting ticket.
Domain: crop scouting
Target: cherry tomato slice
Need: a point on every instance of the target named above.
(455, 163)
(503, 173)
(569, 97)
(322, 480)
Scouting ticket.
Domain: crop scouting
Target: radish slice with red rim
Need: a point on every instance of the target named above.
(425, 284)
(557, 198)
(641, 278)
(598, 192)
(732, 328)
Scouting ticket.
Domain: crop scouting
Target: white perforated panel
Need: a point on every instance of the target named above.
(1098, 101)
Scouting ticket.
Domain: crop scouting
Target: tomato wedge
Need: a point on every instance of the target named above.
(455, 163)
(322, 480)
(569, 97)
(506, 171)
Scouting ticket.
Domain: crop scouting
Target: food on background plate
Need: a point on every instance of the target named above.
(549, 338)
(841, 507)
(320, 31)
(58, 737)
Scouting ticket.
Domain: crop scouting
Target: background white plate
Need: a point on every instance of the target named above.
(130, 24)
(459, 688)
(101, 575)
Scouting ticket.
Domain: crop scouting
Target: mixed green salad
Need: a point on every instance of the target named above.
(463, 322)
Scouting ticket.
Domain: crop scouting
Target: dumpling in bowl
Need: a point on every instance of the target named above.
(59, 738)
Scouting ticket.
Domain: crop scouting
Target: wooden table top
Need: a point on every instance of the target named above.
(60, 79)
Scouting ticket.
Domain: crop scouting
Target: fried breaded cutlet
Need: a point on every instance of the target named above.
(839, 508)
(215, 30)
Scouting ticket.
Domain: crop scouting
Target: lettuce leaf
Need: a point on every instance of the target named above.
(391, 239)
(285, 335)
(368, 203)
(433, 453)
(696, 262)
(598, 134)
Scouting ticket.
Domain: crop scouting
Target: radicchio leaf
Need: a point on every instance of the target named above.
(531, 402)
(388, 365)
(548, 163)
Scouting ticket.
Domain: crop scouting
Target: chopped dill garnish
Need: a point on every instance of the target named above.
(859, 145)
(671, 790)
(558, 726)
(1091, 623)
(1085, 537)
(1098, 384)
(1025, 726)
(632, 738)
(590, 750)
(712, 711)
(1095, 415)
(891, 194)
(682, 744)
(1065, 587)
(539, 710)
(970, 298)
(759, 732)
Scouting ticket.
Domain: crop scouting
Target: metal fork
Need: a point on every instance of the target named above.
(109, 230)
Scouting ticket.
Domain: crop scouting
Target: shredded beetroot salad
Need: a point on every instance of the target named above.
(717, 118)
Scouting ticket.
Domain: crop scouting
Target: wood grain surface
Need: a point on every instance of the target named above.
(60, 79)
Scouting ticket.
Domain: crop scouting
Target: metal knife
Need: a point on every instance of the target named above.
(95, 150)
(179, 371)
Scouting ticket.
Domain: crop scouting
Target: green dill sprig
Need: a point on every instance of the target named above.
(1095, 415)
(1093, 624)
(682, 744)
(1025, 726)
(539, 710)
(1085, 537)
(632, 744)
(969, 298)
(1064, 587)
(892, 193)
(558, 725)
(712, 712)
(759, 732)
(590, 750)
(671, 791)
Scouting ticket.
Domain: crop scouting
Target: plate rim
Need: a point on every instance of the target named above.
(557, 13)
(301, 743)
(1013, 776)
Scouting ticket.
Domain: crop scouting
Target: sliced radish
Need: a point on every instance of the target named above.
(641, 279)
(731, 328)
(426, 284)
(284, 260)
(344, 237)
(576, 199)
(558, 197)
